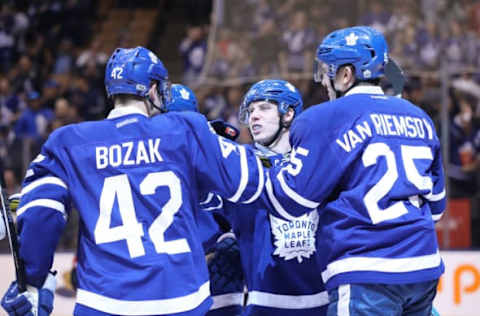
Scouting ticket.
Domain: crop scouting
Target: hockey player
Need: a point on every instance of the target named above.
(280, 258)
(371, 164)
(135, 182)
(226, 277)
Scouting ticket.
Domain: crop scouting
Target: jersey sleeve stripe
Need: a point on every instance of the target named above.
(287, 301)
(392, 265)
(294, 195)
(208, 199)
(215, 207)
(278, 207)
(146, 307)
(42, 181)
(224, 300)
(47, 203)
(437, 217)
(29, 173)
(39, 158)
(261, 181)
(243, 176)
(435, 197)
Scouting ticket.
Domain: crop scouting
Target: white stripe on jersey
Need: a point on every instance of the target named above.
(208, 199)
(224, 300)
(48, 203)
(435, 197)
(147, 307)
(287, 301)
(437, 217)
(261, 181)
(42, 181)
(29, 173)
(215, 207)
(294, 195)
(243, 175)
(276, 205)
(343, 300)
(393, 265)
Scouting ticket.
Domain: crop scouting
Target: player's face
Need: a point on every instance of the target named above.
(263, 121)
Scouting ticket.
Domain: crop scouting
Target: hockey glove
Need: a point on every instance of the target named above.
(224, 266)
(225, 129)
(33, 302)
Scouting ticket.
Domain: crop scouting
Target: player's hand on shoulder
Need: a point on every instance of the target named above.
(33, 302)
(225, 129)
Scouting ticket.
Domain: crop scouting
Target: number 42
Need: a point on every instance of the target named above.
(118, 187)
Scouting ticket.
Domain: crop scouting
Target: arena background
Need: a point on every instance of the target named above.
(53, 53)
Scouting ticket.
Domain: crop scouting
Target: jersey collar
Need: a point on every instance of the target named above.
(365, 90)
(124, 110)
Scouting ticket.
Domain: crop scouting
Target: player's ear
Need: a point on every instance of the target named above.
(345, 78)
(288, 116)
(347, 74)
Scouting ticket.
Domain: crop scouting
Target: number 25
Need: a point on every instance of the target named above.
(385, 184)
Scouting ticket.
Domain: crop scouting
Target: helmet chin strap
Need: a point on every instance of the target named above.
(153, 105)
(276, 136)
(339, 93)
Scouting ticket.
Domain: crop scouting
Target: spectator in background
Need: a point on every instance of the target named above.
(455, 45)
(50, 93)
(10, 103)
(377, 16)
(234, 99)
(65, 114)
(11, 184)
(193, 49)
(7, 40)
(33, 122)
(215, 103)
(464, 151)
(430, 46)
(299, 40)
(24, 77)
(92, 56)
(65, 59)
(266, 57)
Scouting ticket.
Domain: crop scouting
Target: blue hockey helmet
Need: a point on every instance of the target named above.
(132, 70)
(361, 46)
(280, 92)
(183, 99)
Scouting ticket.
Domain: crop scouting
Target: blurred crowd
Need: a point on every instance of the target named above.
(52, 68)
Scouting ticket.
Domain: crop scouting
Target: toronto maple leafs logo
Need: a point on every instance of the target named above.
(185, 94)
(351, 39)
(295, 238)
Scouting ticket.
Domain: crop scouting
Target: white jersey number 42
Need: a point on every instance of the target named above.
(118, 187)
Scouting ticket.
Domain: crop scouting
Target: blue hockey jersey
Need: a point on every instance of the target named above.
(136, 183)
(281, 258)
(371, 164)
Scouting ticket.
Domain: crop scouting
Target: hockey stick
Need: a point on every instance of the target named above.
(395, 76)
(13, 241)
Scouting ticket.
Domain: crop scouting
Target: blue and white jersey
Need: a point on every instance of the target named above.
(371, 164)
(280, 257)
(136, 183)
